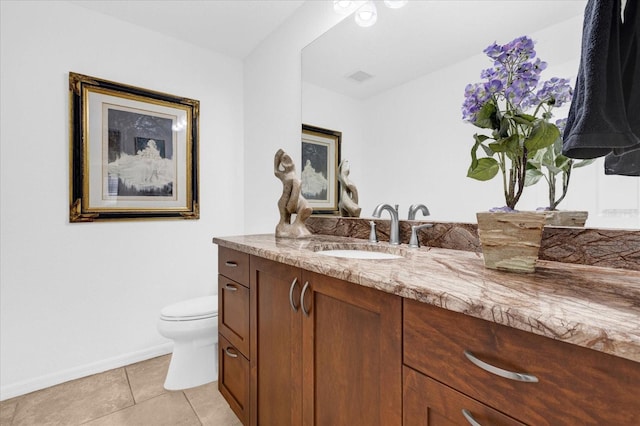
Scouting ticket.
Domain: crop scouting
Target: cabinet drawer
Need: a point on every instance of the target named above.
(233, 313)
(234, 264)
(575, 385)
(427, 402)
(233, 380)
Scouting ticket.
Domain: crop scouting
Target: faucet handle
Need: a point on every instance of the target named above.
(373, 238)
(413, 241)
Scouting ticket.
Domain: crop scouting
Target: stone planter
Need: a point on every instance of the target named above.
(510, 241)
(566, 217)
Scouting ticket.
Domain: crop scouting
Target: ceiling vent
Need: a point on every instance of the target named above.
(360, 76)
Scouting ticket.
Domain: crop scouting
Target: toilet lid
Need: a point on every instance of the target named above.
(192, 309)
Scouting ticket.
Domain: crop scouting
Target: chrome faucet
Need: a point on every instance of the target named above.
(394, 233)
(415, 208)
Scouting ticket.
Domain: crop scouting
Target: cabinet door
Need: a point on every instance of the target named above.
(430, 403)
(276, 370)
(352, 356)
(233, 380)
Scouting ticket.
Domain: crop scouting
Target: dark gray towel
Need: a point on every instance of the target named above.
(627, 161)
(603, 117)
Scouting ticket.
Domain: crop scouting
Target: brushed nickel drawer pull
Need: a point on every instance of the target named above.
(231, 264)
(304, 290)
(230, 287)
(293, 304)
(520, 377)
(467, 415)
(229, 353)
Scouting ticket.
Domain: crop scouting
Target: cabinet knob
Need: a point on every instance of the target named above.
(230, 287)
(520, 377)
(293, 304)
(231, 264)
(304, 290)
(467, 415)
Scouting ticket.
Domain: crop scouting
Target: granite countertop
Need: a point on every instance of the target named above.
(589, 306)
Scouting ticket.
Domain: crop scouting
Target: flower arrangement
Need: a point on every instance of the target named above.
(516, 107)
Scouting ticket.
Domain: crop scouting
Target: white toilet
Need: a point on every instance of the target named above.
(193, 326)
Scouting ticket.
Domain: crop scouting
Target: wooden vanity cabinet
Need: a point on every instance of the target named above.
(233, 330)
(573, 385)
(301, 348)
(323, 351)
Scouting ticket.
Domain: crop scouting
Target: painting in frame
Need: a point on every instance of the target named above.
(319, 174)
(133, 152)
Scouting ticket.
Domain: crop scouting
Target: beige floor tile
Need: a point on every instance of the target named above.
(7, 411)
(210, 406)
(75, 402)
(147, 377)
(168, 409)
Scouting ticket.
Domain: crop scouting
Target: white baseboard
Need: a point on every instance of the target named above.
(31, 385)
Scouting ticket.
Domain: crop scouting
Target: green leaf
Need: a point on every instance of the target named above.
(505, 124)
(528, 117)
(509, 145)
(553, 169)
(488, 151)
(557, 147)
(548, 156)
(524, 119)
(486, 116)
(582, 163)
(497, 147)
(532, 176)
(563, 163)
(542, 135)
(485, 169)
(474, 149)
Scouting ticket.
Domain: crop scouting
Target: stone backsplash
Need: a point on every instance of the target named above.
(611, 248)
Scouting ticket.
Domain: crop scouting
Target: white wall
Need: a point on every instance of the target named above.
(76, 299)
(272, 87)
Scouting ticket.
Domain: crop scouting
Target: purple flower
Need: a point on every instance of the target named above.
(515, 77)
(493, 51)
(475, 96)
(493, 86)
(540, 65)
(489, 74)
(555, 92)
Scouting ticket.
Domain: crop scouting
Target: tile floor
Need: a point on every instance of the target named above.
(131, 395)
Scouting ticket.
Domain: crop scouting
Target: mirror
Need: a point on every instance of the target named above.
(395, 91)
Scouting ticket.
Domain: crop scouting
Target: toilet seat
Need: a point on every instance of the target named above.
(191, 310)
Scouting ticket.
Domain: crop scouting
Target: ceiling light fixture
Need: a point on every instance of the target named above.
(395, 4)
(366, 12)
(367, 15)
(345, 7)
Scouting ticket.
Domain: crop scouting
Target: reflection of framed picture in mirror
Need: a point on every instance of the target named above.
(319, 166)
(134, 152)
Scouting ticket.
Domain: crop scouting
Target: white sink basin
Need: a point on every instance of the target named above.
(359, 254)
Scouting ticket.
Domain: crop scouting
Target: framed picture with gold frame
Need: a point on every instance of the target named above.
(133, 152)
(319, 174)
